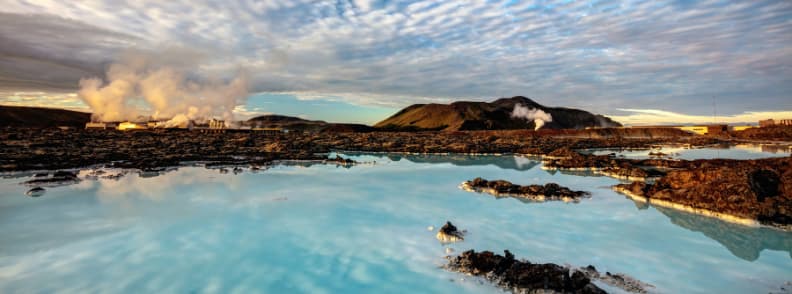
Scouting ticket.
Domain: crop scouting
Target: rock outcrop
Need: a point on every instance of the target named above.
(522, 276)
(36, 192)
(533, 193)
(449, 233)
(750, 192)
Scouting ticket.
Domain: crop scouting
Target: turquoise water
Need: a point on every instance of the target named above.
(739, 151)
(328, 229)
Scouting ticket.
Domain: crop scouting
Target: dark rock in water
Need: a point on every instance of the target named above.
(564, 152)
(620, 281)
(342, 161)
(57, 179)
(64, 174)
(449, 233)
(36, 192)
(549, 191)
(522, 276)
(764, 183)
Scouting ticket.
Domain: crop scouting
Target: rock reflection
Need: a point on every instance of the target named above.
(744, 242)
(519, 163)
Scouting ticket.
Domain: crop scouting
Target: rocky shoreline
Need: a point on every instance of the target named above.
(34, 149)
(717, 187)
(748, 192)
(533, 193)
(522, 276)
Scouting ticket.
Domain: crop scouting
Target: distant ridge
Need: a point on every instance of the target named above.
(281, 119)
(496, 115)
(299, 124)
(40, 117)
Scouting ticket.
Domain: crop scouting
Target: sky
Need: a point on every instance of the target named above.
(639, 62)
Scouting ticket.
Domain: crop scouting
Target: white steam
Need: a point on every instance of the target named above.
(538, 116)
(144, 85)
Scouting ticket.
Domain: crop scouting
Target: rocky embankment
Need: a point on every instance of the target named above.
(750, 192)
(521, 276)
(534, 193)
(609, 165)
(52, 148)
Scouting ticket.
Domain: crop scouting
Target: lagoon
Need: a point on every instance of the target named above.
(331, 229)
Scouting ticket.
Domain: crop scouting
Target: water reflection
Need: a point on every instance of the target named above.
(519, 163)
(730, 151)
(338, 230)
(744, 242)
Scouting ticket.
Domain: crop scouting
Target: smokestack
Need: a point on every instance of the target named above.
(139, 84)
(538, 116)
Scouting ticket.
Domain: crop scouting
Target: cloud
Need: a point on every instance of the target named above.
(599, 56)
(49, 53)
(43, 99)
(661, 117)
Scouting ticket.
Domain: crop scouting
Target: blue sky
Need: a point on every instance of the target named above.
(637, 61)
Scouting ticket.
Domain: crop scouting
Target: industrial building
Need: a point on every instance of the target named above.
(100, 125)
(771, 122)
(126, 126)
(210, 126)
(714, 129)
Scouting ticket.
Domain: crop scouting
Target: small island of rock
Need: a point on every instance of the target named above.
(521, 276)
(449, 233)
(535, 193)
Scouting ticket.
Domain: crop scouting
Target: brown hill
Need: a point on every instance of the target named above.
(494, 115)
(304, 125)
(40, 117)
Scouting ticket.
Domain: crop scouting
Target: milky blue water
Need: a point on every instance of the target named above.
(328, 229)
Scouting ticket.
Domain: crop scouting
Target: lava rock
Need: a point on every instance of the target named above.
(36, 192)
(449, 233)
(522, 276)
(764, 183)
(549, 191)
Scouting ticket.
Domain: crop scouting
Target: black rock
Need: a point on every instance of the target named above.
(764, 183)
(36, 192)
(522, 276)
(449, 233)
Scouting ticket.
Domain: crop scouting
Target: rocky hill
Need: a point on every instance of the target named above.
(496, 115)
(39, 117)
(299, 124)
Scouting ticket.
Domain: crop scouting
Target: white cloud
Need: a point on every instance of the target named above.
(598, 56)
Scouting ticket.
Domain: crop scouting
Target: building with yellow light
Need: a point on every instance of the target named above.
(126, 126)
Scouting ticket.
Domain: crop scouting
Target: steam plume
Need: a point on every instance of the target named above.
(147, 85)
(538, 116)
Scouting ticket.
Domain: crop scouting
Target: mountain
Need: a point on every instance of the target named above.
(496, 115)
(39, 117)
(274, 119)
(299, 124)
